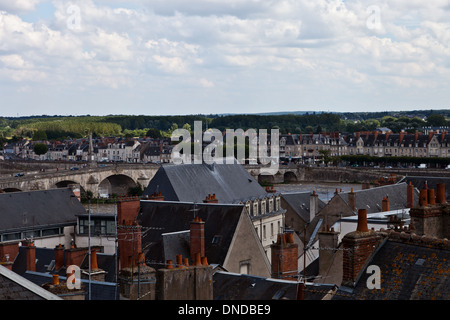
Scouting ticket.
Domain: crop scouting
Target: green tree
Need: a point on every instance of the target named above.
(40, 135)
(436, 120)
(40, 148)
(153, 133)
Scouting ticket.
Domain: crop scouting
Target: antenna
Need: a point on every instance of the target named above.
(195, 209)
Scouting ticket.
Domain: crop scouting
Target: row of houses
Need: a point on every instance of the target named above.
(110, 149)
(309, 147)
(303, 148)
(214, 224)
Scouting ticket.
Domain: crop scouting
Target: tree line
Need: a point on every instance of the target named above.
(63, 127)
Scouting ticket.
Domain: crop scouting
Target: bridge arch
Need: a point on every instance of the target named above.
(118, 184)
(290, 176)
(68, 183)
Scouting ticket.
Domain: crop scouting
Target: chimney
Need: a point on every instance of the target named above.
(328, 241)
(94, 265)
(423, 197)
(285, 258)
(128, 209)
(440, 193)
(313, 205)
(129, 235)
(358, 247)
(362, 221)
(211, 199)
(8, 253)
(75, 256)
(59, 257)
(197, 237)
(55, 280)
(156, 196)
(385, 204)
(31, 257)
(410, 195)
(431, 197)
(352, 200)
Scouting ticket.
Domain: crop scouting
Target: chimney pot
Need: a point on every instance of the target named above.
(197, 261)
(423, 197)
(440, 193)
(362, 221)
(204, 261)
(169, 264)
(431, 198)
(55, 281)
(179, 261)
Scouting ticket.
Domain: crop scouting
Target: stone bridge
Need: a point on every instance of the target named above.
(111, 179)
(119, 178)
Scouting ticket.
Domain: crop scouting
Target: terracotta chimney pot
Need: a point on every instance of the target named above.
(362, 221)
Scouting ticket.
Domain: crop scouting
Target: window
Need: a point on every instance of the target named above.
(11, 236)
(98, 226)
(51, 232)
(271, 229)
(244, 267)
(264, 232)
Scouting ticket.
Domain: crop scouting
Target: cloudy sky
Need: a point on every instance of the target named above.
(222, 56)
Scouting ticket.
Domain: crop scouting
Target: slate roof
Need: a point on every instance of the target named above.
(16, 287)
(299, 202)
(101, 290)
(235, 286)
(162, 217)
(25, 210)
(193, 182)
(409, 271)
(371, 199)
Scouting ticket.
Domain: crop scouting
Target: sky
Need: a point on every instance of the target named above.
(176, 57)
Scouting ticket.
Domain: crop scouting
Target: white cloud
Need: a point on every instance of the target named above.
(18, 6)
(325, 47)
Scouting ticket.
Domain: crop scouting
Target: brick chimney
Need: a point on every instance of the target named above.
(197, 237)
(410, 195)
(385, 204)
(211, 199)
(31, 257)
(8, 253)
(328, 240)
(313, 205)
(358, 247)
(285, 257)
(75, 256)
(128, 209)
(352, 200)
(429, 218)
(129, 236)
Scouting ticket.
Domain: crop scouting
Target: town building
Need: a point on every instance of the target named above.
(223, 184)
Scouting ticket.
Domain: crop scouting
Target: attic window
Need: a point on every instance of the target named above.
(216, 239)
